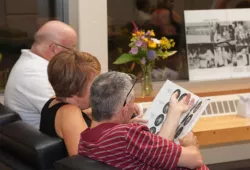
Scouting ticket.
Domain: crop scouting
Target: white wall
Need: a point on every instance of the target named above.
(91, 23)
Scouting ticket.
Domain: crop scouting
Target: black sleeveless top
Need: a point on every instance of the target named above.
(48, 115)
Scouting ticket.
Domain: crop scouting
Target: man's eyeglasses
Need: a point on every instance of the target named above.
(67, 48)
(134, 79)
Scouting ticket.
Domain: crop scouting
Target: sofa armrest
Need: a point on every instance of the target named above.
(31, 146)
(78, 162)
(7, 115)
(11, 162)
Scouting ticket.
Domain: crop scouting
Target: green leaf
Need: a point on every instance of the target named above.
(170, 53)
(125, 58)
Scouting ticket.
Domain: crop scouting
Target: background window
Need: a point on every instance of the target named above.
(166, 18)
(19, 20)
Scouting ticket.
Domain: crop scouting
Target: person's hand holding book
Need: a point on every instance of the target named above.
(176, 109)
(138, 115)
(181, 106)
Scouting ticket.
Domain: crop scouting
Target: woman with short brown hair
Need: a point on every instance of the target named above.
(70, 74)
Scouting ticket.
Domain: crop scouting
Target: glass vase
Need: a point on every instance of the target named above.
(146, 83)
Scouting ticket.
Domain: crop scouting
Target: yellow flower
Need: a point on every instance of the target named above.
(152, 34)
(173, 44)
(165, 42)
(152, 44)
(134, 34)
(145, 39)
(140, 33)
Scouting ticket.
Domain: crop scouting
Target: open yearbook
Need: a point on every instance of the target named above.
(157, 112)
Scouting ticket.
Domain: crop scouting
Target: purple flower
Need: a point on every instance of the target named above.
(148, 32)
(151, 54)
(143, 61)
(134, 50)
(138, 43)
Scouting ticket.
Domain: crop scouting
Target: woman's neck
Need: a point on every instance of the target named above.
(70, 100)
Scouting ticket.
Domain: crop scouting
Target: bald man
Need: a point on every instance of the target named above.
(28, 88)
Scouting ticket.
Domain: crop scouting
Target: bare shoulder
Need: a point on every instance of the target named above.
(70, 110)
(68, 118)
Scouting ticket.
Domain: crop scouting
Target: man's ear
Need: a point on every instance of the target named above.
(125, 110)
(53, 48)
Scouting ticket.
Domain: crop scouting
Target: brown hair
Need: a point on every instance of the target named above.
(69, 72)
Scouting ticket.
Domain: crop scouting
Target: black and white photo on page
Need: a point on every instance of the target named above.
(188, 122)
(218, 42)
(157, 112)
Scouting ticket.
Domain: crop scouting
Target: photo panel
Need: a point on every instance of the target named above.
(218, 42)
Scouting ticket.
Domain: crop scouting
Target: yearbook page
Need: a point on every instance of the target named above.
(156, 114)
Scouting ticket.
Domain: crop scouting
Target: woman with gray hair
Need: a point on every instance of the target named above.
(113, 140)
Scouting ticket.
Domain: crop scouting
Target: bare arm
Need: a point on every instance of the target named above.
(169, 127)
(71, 125)
(190, 157)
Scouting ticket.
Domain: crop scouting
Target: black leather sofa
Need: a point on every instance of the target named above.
(22, 147)
(33, 149)
(81, 163)
(7, 116)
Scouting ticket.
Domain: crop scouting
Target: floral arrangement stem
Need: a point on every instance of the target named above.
(146, 83)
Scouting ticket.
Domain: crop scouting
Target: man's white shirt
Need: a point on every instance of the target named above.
(28, 87)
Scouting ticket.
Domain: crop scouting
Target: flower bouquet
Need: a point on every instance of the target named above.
(145, 50)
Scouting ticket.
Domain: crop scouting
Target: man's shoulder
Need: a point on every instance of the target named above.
(29, 60)
(27, 67)
(129, 129)
(132, 126)
(124, 129)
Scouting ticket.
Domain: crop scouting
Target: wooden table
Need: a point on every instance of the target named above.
(222, 129)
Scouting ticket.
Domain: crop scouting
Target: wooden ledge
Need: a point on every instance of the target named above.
(222, 129)
(200, 94)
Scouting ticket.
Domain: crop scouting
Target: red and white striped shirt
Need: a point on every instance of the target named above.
(129, 146)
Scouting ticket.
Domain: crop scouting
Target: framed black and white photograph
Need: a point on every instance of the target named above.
(217, 42)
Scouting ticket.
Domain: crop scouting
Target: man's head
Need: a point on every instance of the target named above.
(51, 33)
(71, 74)
(112, 97)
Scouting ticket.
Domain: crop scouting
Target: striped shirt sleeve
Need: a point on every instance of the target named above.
(151, 149)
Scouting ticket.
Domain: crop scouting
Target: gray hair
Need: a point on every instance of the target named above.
(108, 93)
